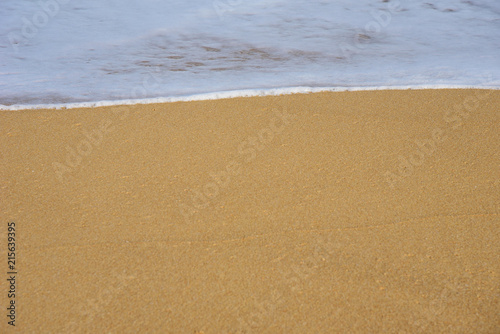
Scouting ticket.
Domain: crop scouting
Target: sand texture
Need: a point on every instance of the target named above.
(355, 212)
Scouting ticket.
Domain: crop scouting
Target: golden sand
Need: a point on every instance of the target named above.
(356, 212)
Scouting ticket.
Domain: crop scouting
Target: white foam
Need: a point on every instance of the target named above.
(233, 94)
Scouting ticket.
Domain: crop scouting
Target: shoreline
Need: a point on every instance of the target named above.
(235, 94)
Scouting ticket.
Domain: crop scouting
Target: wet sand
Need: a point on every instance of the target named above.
(310, 213)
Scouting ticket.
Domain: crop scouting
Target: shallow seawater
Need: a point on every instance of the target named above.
(69, 51)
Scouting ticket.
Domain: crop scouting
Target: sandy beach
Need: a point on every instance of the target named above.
(354, 212)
